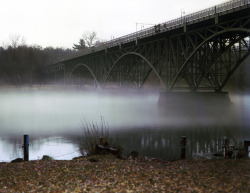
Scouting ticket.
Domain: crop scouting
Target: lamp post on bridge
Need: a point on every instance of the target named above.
(182, 13)
(142, 25)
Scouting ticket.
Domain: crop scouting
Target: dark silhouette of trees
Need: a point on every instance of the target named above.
(25, 64)
(80, 46)
(57, 54)
(21, 64)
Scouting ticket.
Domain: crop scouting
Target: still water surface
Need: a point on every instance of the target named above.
(52, 119)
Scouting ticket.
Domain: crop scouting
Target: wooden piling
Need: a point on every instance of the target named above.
(26, 148)
(183, 147)
(225, 145)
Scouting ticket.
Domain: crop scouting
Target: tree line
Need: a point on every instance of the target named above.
(22, 64)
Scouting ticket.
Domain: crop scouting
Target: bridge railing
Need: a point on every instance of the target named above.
(166, 26)
(231, 5)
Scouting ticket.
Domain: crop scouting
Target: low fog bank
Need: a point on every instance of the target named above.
(54, 112)
(62, 111)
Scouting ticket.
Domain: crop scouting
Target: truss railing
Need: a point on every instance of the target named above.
(163, 27)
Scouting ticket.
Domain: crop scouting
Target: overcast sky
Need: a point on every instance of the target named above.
(60, 23)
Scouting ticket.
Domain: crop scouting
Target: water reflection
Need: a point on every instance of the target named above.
(153, 142)
(52, 119)
(56, 147)
(10, 148)
(165, 142)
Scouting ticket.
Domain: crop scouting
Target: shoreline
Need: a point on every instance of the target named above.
(108, 174)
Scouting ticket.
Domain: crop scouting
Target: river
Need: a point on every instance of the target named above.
(52, 119)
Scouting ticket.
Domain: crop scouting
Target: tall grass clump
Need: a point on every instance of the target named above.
(93, 133)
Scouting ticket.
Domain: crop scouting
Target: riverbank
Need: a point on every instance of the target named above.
(109, 174)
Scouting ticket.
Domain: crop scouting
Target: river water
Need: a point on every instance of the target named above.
(52, 119)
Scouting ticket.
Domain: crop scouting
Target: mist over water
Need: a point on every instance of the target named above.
(134, 117)
(28, 110)
(62, 111)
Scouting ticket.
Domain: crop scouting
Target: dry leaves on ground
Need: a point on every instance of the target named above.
(114, 175)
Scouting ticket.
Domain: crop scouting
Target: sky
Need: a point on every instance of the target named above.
(61, 23)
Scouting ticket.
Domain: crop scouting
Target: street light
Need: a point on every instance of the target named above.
(182, 13)
(142, 25)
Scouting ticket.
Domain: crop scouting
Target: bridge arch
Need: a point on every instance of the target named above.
(238, 62)
(135, 54)
(87, 67)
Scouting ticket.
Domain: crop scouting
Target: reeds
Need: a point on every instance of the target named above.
(92, 133)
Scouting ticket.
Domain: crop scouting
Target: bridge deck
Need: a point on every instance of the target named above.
(181, 22)
(200, 51)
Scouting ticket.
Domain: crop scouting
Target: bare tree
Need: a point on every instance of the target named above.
(88, 40)
(17, 40)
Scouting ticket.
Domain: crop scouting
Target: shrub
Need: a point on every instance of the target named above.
(92, 133)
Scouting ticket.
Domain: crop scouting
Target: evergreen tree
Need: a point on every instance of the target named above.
(80, 46)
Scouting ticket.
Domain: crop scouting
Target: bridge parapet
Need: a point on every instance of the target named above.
(166, 26)
(197, 52)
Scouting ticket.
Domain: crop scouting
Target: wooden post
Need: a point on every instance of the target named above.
(246, 146)
(26, 148)
(225, 147)
(183, 147)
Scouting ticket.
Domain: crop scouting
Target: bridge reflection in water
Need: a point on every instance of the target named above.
(158, 142)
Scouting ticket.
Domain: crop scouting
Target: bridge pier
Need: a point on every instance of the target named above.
(194, 102)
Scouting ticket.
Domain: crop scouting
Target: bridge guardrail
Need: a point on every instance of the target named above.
(166, 26)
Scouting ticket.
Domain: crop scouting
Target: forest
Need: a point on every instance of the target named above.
(22, 64)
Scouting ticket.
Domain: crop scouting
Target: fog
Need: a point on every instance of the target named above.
(61, 111)
(52, 117)
(27, 110)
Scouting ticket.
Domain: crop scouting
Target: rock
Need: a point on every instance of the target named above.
(93, 160)
(46, 157)
(100, 149)
(241, 153)
(75, 158)
(17, 160)
(134, 154)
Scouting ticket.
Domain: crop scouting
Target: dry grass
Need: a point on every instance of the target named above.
(91, 135)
